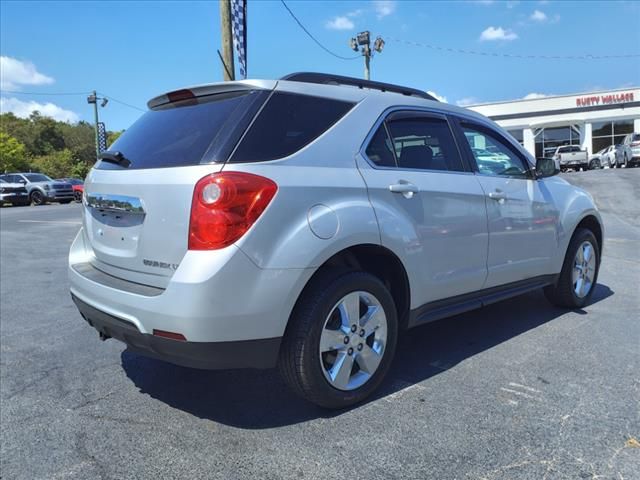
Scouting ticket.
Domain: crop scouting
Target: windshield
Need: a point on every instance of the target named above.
(37, 177)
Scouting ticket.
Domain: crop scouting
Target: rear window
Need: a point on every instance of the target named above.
(287, 123)
(187, 133)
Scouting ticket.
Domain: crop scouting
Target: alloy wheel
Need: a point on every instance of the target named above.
(353, 340)
(584, 269)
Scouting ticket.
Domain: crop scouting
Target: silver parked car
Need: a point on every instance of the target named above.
(305, 222)
(631, 149)
(41, 188)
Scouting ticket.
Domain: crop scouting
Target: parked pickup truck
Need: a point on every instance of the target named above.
(570, 156)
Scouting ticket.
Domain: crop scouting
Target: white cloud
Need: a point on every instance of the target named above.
(465, 102)
(533, 96)
(14, 73)
(355, 13)
(23, 109)
(384, 7)
(497, 33)
(538, 16)
(340, 23)
(440, 98)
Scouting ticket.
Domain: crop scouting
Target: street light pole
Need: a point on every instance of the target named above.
(93, 98)
(95, 125)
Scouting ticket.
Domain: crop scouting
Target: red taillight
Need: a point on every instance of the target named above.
(170, 335)
(224, 207)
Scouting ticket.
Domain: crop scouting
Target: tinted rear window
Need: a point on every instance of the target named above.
(180, 134)
(287, 123)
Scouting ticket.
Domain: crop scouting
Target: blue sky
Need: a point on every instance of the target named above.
(135, 50)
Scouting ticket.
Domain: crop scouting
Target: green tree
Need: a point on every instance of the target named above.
(56, 164)
(113, 136)
(13, 154)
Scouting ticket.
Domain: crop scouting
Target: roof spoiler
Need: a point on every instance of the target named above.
(330, 79)
(210, 89)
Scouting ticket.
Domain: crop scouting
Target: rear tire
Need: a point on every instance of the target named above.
(578, 267)
(77, 196)
(322, 337)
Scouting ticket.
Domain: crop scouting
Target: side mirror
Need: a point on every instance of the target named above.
(546, 167)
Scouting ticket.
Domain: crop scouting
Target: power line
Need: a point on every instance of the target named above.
(511, 55)
(121, 102)
(73, 93)
(44, 93)
(314, 38)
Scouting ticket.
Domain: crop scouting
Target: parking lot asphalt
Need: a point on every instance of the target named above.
(517, 390)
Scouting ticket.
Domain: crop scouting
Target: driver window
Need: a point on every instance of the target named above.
(493, 156)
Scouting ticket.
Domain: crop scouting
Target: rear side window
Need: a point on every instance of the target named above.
(287, 123)
(181, 134)
(380, 149)
(424, 143)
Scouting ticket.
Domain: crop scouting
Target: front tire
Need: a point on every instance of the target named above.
(340, 340)
(579, 272)
(37, 198)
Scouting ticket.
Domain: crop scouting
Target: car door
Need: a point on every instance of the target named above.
(523, 220)
(430, 209)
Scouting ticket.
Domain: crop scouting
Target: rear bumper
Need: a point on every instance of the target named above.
(214, 297)
(261, 353)
(54, 195)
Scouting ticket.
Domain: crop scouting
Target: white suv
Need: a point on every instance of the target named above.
(305, 222)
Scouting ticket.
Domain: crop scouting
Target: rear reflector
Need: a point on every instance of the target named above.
(171, 335)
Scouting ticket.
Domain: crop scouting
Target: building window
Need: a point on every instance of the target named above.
(517, 134)
(605, 134)
(548, 139)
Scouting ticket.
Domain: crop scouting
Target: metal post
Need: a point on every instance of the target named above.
(367, 57)
(95, 113)
(228, 69)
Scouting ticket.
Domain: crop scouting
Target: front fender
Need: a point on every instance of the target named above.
(574, 205)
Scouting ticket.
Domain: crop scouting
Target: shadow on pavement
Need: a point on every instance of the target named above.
(258, 399)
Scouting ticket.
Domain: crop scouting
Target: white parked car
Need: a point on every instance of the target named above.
(304, 223)
(611, 156)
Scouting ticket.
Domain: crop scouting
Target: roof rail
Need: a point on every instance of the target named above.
(330, 79)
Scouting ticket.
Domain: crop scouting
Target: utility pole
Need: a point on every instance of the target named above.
(93, 98)
(228, 68)
(363, 39)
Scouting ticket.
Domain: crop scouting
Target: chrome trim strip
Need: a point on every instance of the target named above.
(114, 203)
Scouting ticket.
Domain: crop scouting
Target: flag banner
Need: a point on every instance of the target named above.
(102, 137)
(239, 26)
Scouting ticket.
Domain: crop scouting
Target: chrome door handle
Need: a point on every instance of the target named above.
(498, 195)
(405, 188)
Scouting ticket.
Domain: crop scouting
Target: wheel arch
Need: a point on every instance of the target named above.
(376, 260)
(592, 223)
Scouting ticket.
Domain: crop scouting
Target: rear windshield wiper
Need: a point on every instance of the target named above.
(115, 157)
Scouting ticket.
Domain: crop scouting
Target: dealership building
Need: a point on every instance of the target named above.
(592, 121)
